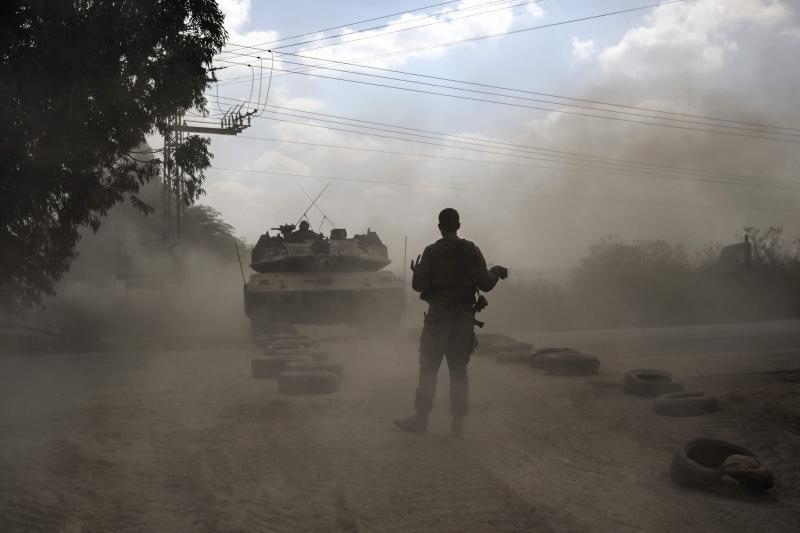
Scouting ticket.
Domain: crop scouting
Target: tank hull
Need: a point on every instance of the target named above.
(354, 298)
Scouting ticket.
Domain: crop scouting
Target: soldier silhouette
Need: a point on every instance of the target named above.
(448, 276)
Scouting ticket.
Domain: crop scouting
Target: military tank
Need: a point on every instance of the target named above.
(304, 277)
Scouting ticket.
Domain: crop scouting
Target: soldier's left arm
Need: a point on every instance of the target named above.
(487, 279)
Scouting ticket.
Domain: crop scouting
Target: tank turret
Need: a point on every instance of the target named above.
(303, 250)
(304, 277)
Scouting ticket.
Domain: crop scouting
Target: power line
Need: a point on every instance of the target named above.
(742, 123)
(504, 191)
(240, 47)
(194, 121)
(586, 164)
(477, 38)
(561, 111)
(634, 168)
(527, 149)
(576, 106)
(521, 30)
(514, 146)
(549, 95)
(356, 23)
(448, 19)
(583, 168)
(348, 24)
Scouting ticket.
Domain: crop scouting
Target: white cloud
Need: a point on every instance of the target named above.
(451, 25)
(535, 11)
(705, 56)
(725, 58)
(282, 97)
(237, 13)
(274, 161)
(583, 50)
(693, 37)
(792, 33)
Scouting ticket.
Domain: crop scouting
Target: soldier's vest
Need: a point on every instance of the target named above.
(454, 271)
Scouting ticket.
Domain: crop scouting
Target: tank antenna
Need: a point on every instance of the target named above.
(323, 213)
(241, 269)
(313, 203)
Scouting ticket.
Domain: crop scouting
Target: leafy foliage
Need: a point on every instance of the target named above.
(770, 248)
(631, 278)
(192, 156)
(82, 84)
(205, 229)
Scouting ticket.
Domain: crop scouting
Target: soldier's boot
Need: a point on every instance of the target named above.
(457, 427)
(423, 402)
(416, 423)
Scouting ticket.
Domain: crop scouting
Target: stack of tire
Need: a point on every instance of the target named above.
(502, 348)
(564, 362)
(298, 364)
(555, 361)
(670, 398)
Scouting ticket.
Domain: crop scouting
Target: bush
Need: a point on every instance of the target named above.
(657, 283)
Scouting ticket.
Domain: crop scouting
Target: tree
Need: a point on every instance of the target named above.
(82, 84)
(644, 282)
(770, 248)
(205, 229)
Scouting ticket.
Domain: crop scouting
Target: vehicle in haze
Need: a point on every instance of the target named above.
(303, 277)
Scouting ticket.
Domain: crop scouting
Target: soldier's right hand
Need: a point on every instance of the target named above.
(414, 265)
(502, 272)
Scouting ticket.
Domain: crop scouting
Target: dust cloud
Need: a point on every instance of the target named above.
(128, 287)
(701, 58)
(159, 425)
(704, 58)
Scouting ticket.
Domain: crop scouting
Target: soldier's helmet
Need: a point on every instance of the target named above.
(449, 219)
(304, 225)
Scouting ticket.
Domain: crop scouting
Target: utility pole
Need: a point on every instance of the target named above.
(174, 190)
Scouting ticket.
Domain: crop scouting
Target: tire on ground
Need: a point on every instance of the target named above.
(293, 343)
(505, 346)
(313, 382)
(264, 326)
(700, 463)
(489, 338)
(690, 403)
(536, 359)
(749, 471)
(516, 356)
(264, 340)
(321, 366)
(318, 355)
(269, 366)
(314, 354)
(269, 338)
(570, 364)
(489, 342)
(512, 346)
(650, 383)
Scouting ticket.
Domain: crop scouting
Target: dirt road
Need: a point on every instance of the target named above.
(188, 441)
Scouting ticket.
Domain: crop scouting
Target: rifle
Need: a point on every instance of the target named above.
(479, 306)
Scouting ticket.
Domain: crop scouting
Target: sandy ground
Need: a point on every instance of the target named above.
(186, 440)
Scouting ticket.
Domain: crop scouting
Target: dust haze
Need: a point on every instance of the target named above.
(145, 395)
(537, 219)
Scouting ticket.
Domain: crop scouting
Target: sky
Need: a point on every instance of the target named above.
(730, 59)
